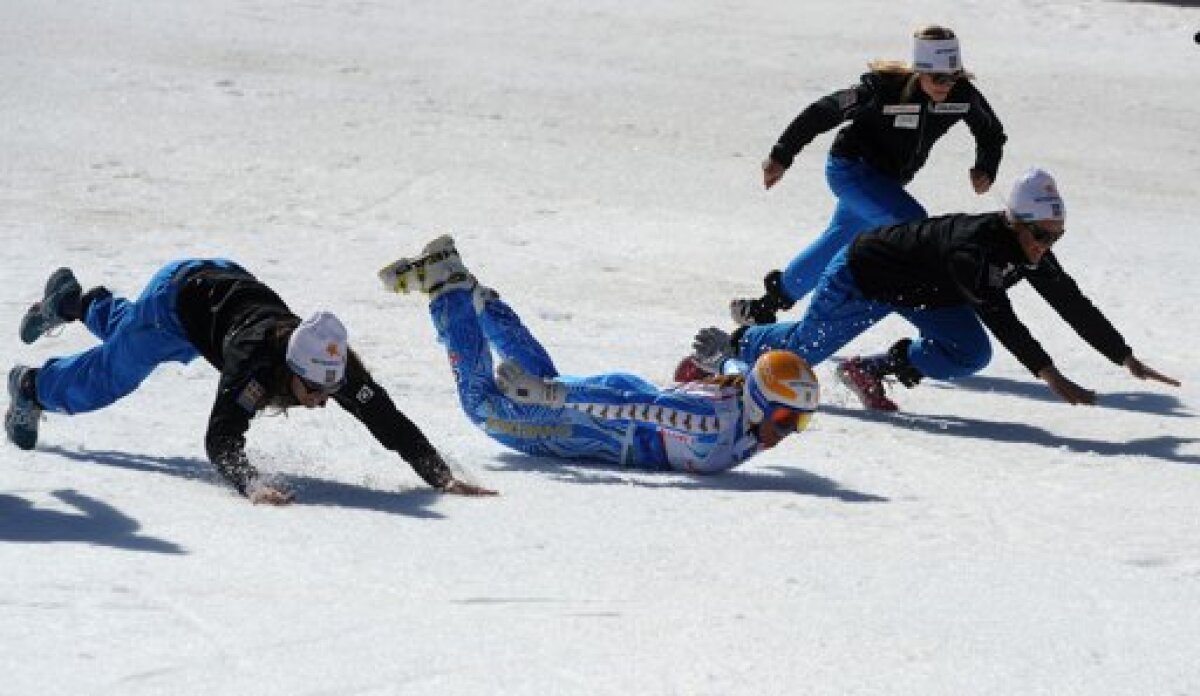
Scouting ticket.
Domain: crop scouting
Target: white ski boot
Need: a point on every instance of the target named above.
(437, 270)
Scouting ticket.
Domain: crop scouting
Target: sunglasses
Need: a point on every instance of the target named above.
(322, 389)
(1043, 236)
(944, 79)
(788, 420)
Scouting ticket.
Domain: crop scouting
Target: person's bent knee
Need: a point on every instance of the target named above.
(981, 358)
(941, 361)
(974, 353)
(970, 359)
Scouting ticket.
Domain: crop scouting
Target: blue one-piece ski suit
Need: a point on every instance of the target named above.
(614, 417)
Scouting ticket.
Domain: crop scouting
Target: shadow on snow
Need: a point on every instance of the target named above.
(99, 524)
(789, 480)
(309, 490)
(1165, 447)
(1153, 403)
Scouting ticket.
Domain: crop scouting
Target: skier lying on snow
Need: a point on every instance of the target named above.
(266, 355)
(701, 427)
(945, 275)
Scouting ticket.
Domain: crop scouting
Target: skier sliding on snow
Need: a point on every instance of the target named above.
(266, 356)
(896, 113)
(945, 275)
(702, 427)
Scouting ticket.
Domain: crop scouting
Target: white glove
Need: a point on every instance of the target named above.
(712, 348)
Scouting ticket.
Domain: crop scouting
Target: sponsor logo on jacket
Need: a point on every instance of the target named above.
(252, 396)
(950, 108)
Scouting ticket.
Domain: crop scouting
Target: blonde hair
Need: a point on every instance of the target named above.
(898, 68)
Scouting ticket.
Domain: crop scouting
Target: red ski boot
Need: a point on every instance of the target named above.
(689, 370)
(866, 385)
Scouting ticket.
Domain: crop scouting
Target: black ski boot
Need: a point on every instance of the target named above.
(750, 312)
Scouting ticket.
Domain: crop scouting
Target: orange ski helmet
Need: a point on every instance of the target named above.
(782, 387)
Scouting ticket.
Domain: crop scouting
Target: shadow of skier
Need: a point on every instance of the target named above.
(309, 490)
(1154, 403)
(750, 479)
(1164, 447)
(99, 524)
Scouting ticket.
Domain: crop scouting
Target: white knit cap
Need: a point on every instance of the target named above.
(936, 55)
(1035, 196)
(316, 350)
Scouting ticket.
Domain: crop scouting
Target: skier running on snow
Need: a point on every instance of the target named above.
(896, 113)
(266, 356)
(701, 427)
(945, 275)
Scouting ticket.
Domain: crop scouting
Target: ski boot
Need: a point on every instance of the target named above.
(864, 375)
(437, 270)
(761, 310)
(60, 303)
(865, 384)
(690, 370)
(21, 418)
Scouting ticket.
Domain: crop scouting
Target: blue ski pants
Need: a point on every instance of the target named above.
(135, 338)
(952, 341)
(470, 333)
(866, 199)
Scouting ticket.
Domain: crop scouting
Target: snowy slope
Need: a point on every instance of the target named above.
(598, 163)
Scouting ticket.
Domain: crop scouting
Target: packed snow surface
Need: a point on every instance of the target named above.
(598, 164)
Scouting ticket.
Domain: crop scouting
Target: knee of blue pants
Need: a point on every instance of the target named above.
(513, 340)
(88, 381)
(760, 339)
(981, 358)
(942, 359)
(866, 199)
(105, 313)
(803, 272)
(872, 196)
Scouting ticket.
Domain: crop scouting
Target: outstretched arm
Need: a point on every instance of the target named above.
(1061, 291)
(463, 488)
(989, 142)
(1069, 391)
(981, 181)
(822, 115)
(369, 403)
(1074, 394)
(1142, 371)
(239, 396)
(772, 172)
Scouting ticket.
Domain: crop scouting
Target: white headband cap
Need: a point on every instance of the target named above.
(1035, 197)
(936, 55)
(316, 350)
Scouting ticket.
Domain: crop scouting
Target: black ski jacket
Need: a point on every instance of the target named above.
(974, 259)
(891, 131)
(241, 326)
